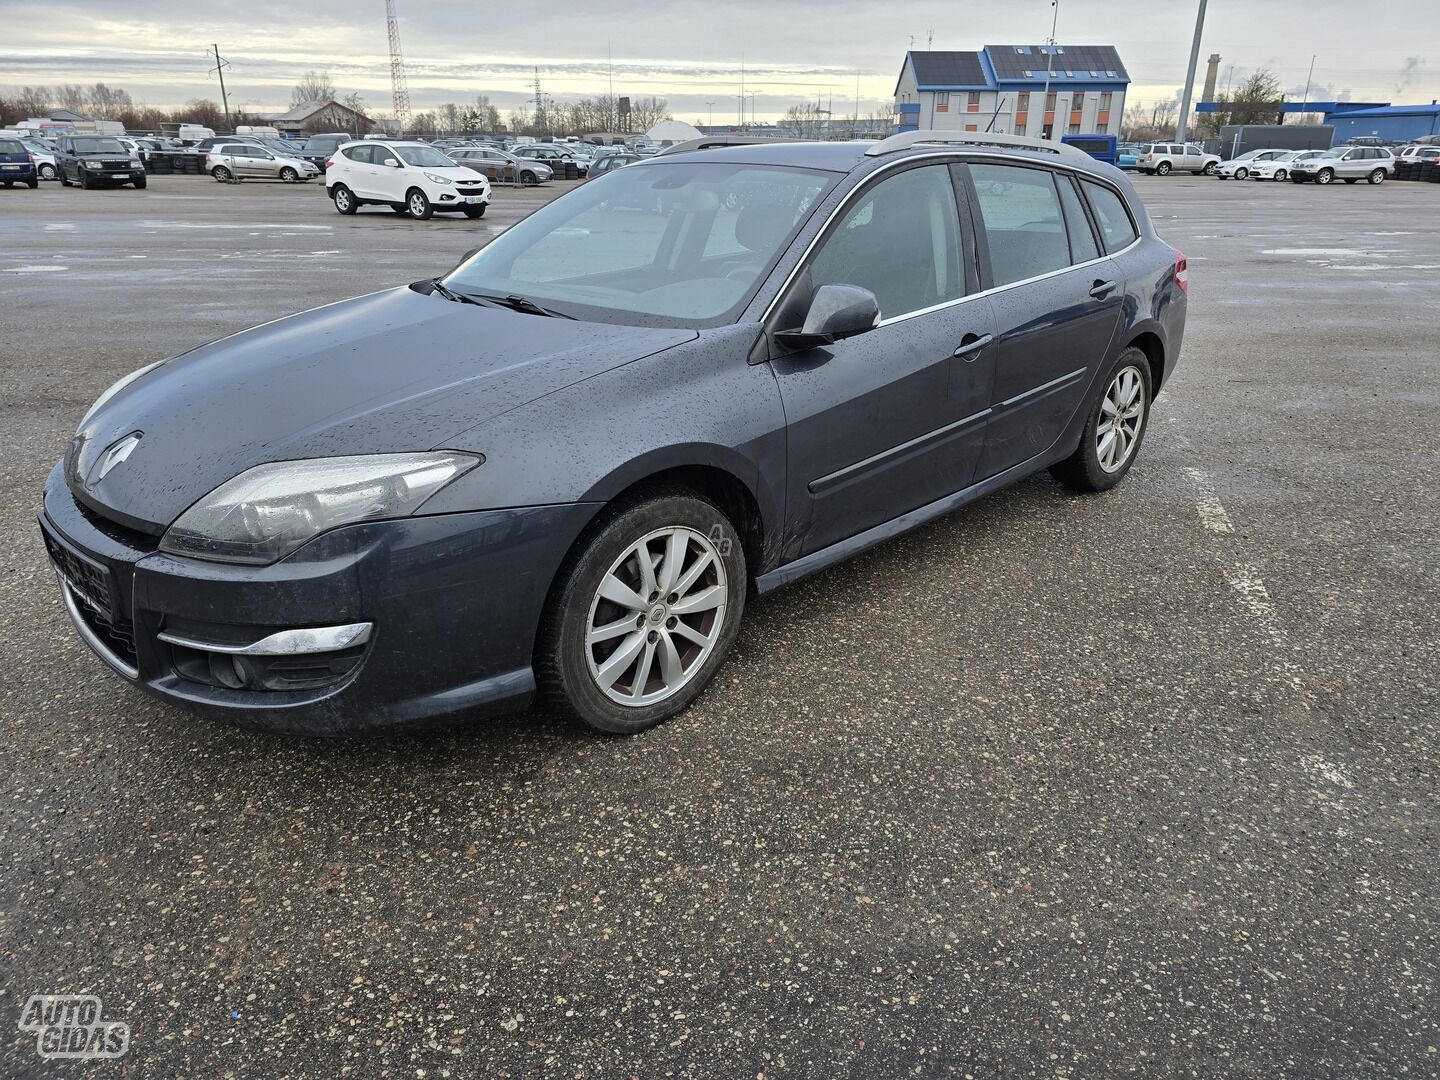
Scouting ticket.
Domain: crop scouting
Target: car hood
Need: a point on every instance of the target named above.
(391, 372)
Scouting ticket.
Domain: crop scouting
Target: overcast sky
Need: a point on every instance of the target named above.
(688, 51)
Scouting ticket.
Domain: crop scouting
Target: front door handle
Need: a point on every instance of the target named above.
(1102, 289)
(971, 344)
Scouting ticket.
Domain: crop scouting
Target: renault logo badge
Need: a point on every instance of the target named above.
(113, 456)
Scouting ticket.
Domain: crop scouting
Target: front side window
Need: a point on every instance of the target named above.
(680, 244)
(1115, 224)
(381, 155)
(423, 157)
(900, 240)
(1024, 227)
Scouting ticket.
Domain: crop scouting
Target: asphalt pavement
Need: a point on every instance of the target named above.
(1137, 784)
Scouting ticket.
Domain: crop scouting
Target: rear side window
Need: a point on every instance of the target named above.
(10, 146)
(1115, 224)
(1024, 227)
(1083, 247)
(900, 240)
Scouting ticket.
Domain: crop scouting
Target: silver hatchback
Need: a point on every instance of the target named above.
(1349, 163)
(246, 161)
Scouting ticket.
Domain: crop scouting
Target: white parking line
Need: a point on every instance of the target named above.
(1207, 503)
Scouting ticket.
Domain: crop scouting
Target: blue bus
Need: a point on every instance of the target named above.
(1100, 147)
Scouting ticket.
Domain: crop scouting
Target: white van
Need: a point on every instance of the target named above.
(260, 132)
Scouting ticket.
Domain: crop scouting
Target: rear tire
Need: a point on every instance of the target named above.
(418, 205)
(221, 173)
(345, 201)
(1163, 169)
(571, 661)
(32, 184)
(1098, 464)
(1210, 167)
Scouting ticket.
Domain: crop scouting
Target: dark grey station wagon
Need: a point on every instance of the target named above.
(563, 467)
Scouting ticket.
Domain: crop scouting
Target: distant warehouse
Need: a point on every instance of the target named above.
(1002, 88)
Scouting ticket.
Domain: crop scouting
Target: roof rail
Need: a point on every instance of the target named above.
(907, 139)
(712, 142)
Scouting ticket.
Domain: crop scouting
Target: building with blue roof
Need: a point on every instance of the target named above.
(1002, 88)
(1393, 123)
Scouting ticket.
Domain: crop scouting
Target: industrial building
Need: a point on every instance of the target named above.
(1002, 88)
(1393, 123)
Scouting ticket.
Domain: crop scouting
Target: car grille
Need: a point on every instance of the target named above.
(95, 599)
(117, 166)
(470, 189)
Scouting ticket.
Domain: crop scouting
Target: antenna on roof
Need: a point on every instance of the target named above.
(929, 38)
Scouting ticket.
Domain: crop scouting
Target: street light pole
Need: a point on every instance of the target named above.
(1182, 124)
(711, 104)
(1049, 66)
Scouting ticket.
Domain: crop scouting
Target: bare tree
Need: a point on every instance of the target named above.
(487, 116)
(1257, 100)
(107, 103)
(803, 121)
(646, 112)
(315, 86)
(353, 100)
(1157, 122)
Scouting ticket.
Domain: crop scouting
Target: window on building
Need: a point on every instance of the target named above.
(973, 105)
(901, 241)
(1024, 228)
(1072, 129)
(972, 127)
(1105, 99)
(942, 102)
(1022, 102)
(1049, 102)
(1077, 100)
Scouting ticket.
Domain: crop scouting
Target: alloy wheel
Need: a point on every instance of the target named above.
(1324, 176)
(1279, 174)
(656, 616)
(1122, 411)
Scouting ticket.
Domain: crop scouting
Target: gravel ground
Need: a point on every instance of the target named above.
(1133, 784)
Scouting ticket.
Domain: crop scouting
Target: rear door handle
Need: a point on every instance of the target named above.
(1102, 289)
(971, 344)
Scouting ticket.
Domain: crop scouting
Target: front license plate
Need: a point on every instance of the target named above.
(87, 580)
(474, 198)
(121, 175)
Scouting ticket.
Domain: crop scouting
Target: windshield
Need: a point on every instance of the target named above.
(1289, 155)
(679, 244)
(97, 146)
(427, 157)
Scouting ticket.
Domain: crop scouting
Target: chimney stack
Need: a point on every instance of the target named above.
(1210, 73)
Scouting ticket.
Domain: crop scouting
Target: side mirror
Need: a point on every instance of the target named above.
(392, 163)
(836, 312)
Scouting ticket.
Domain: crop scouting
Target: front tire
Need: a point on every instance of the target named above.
(1377, 177)
(418, 205)
(473, 212)
(47, 172)
(1241, 174)
(1280, 174)
(345, 201)
(643, 613)
(1325, 176)
(528, 179)
(141, 183)
(289, 175)
(1111, 439)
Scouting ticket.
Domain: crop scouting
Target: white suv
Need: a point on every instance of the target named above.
(1349, 163)
(408, 177)
(1162, 158)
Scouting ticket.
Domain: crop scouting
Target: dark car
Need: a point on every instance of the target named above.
(17, 166)
(610, 162)
(565, 466)
(97, 161)
(317, 149)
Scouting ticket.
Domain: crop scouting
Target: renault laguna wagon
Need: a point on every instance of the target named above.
(564, 467)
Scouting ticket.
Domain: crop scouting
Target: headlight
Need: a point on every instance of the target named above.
(94, 164)
(115, 388)
(438, 179)
(267, 512)
(134, 161)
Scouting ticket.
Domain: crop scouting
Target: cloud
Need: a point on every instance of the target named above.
(1409, 73)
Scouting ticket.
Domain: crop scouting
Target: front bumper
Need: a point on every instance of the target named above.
(449, 604)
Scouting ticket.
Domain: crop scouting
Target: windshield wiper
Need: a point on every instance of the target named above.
(450, 294)
(525, 304)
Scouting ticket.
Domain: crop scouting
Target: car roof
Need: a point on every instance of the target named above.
(851, 156)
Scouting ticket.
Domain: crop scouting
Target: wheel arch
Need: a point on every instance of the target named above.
(1150, 343)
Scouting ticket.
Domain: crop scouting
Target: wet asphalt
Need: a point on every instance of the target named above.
(1139, 784)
